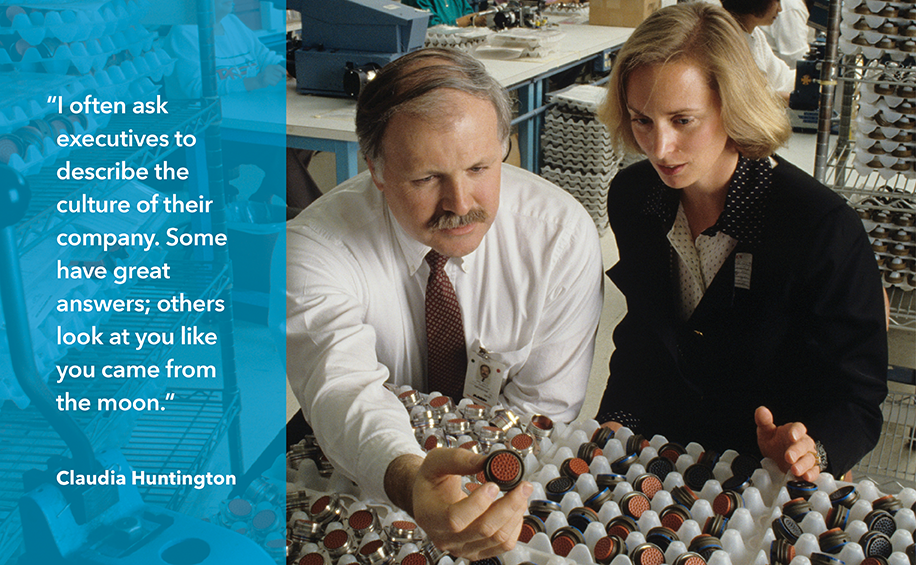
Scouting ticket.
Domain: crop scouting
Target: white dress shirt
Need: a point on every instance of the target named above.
(239, 54)
(790, 35)
(532, 292)
(698, 260)
(779, 76)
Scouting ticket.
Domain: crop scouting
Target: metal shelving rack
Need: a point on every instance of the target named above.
(869, 191)
(184, 436)
(845, 80)
(890, 462)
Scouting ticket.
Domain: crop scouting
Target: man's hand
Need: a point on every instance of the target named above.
(475, 526)
(269, 76)
(788, 445)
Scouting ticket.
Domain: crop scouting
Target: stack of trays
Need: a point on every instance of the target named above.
(886, 122)
(878, 29)
(577, 154)
(889, 221)
(466, 39)
(567, 13)
(566, 8)
(48, 53)
(532, 42)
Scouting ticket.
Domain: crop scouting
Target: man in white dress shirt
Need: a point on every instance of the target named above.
(525, 264)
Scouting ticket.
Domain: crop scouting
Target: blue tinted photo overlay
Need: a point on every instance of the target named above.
(141, 209)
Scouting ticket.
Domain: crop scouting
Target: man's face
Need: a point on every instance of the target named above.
(441, 175)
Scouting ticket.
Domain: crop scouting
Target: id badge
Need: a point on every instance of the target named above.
(484, 378)
(743, 262)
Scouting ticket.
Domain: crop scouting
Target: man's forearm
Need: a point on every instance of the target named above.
(399, 481)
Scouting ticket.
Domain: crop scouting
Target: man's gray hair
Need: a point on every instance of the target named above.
(410, 84)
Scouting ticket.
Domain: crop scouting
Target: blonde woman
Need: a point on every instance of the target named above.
(755, 313)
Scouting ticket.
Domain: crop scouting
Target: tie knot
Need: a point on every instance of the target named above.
(436, 261)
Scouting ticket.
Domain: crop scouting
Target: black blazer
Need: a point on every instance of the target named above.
(807, 339)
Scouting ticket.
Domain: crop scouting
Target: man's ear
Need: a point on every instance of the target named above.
(376, 180)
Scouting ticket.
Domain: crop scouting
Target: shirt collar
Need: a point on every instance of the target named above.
(744, 210)
(413, 252)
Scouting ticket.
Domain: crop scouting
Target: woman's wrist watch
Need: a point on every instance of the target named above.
(820, 456)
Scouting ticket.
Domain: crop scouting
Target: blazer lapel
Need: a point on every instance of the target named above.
(731, 290)
(648, 288)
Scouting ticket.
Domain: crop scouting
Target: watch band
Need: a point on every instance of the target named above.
(820, 456)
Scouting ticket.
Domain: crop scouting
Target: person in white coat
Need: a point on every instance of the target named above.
(790, 35)
(752, 14)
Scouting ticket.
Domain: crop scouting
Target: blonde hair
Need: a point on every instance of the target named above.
(753, 115)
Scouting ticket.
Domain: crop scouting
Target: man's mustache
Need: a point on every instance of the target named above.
(450, 221)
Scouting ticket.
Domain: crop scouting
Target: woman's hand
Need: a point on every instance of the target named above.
(789, 445)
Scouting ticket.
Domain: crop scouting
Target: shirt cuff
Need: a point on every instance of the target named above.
(375, 457)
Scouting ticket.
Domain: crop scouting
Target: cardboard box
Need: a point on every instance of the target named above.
(621, 13)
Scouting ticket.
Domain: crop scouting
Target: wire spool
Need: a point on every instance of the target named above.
(797, 509)
(597, 500)
(781, 552)
(844, 496)
(726, 502)
(579, 518)
(531, 525)
(556, 488)
(801, 489)
(573, 468)
(648, 484)
(674, 516)
(621, 526)
(609, 547)
(662, 537)
(832, 541)
(671, 451)
(647, 554)
(786, 528)
(565, 539)
(633, 504)
(660, 467)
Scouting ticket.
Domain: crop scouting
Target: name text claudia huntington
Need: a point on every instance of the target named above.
(109, 477)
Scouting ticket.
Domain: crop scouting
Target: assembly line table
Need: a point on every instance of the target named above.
(327, 124)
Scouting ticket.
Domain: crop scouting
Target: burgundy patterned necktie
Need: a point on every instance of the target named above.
(448, 360)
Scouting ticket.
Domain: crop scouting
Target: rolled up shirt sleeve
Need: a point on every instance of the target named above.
(333, 368)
